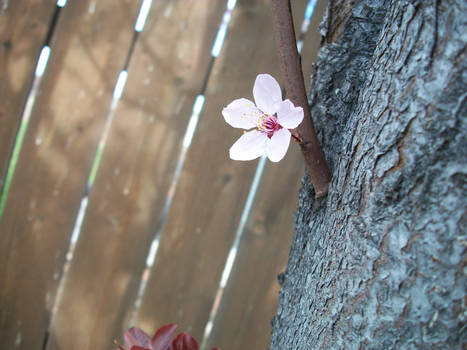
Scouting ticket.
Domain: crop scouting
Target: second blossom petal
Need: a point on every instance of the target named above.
(249, 146)
(267, 93)
(278, 144)
(242, 113)
(288, 115)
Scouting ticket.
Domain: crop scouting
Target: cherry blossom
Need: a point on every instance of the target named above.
(269, 121)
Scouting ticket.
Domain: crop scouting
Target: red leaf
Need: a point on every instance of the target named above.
(137, 337)
(136, 347)
(184, 341)
(162, 337)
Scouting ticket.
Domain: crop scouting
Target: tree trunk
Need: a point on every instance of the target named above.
(380, 263)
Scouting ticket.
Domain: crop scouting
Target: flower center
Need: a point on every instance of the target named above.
(268, 124)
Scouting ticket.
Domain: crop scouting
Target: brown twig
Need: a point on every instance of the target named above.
(295, 88)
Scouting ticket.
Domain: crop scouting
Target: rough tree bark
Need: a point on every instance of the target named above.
(380, 263)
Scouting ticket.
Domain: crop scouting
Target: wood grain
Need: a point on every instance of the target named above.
(23, 28)
(165, 75)
(91, 43)
(212, 190)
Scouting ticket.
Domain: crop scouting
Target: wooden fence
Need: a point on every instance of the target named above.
(94, 183)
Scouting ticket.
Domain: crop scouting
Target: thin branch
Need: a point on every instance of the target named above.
(295, 89)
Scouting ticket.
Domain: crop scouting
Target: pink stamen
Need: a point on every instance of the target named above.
(268, 124)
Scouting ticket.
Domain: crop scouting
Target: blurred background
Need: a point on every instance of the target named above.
(119, 204)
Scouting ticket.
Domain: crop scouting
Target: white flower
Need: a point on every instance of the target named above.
(270, 120)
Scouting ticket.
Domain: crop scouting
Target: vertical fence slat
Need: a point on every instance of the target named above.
(23, 28)
(91, 43)
(251, 295)
(165, 74)
(211, 193)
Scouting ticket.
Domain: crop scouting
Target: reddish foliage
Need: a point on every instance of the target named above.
(137, 339)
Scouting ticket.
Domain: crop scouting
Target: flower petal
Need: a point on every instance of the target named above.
(184, 341)
(137, 337)
(162, 337)
(277, 145)
(289, 116)
(267, 93)
(249, 146)
(241, 113)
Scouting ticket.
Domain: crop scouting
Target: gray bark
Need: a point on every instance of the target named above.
(380, 263)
